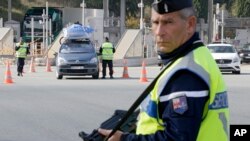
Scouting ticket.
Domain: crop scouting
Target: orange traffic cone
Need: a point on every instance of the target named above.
(48, 67)
(125, 70)
(8, 78)
(32, 65)
(143, 73)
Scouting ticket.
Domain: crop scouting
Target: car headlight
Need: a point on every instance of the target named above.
(236, 59)
(241, 54)
(61, 61)
(93, 60)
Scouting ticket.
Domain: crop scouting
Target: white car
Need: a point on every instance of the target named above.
(226, 57)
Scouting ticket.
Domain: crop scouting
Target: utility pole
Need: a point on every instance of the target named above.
(32, 36)
(222, 26)
(83, 11)
(141, 5)
(47, 26)
(210, 20)
(9, 10)
(43, 16)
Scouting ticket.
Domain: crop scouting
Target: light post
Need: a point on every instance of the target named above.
(47, 26)
(210, 20)
(222, 26)
(32, 36)
(141, 5)
(43, 23)
(83, 11)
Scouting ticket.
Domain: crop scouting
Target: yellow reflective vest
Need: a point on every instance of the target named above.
(22, 51)
(215, 123)
(107, 51)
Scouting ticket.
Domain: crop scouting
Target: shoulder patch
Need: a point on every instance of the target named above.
(180, 104)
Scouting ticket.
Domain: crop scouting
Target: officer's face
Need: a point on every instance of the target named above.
(170, 30)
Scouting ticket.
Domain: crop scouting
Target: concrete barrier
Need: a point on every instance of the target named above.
(135, 62)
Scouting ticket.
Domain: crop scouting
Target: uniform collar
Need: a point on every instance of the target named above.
(186, 47)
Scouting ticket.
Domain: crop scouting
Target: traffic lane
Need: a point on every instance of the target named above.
(238, 95)
(37, 106)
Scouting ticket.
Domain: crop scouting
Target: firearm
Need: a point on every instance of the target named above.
(128, 126)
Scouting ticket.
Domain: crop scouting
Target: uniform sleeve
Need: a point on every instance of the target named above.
(181, 116)
(113, 49)
(17, 48)
(100, 50)
(28, 49)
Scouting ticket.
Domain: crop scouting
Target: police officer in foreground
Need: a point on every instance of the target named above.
(189, 101)
(22, 50)
(107, 51)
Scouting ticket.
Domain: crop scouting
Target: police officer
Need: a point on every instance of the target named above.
(107, 50)
(22, 49)
(189, 101)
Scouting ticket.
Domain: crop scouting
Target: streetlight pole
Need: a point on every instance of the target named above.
(43, 16)
(83, 11)
(141, 5)
(222, 26)
(210, 20)
(47, 25)
(32, 36)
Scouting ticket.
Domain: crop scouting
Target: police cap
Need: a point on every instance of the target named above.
(168, 6)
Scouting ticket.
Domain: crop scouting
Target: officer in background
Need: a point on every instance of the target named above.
(107, 51)
(189, 100)
(22, 50)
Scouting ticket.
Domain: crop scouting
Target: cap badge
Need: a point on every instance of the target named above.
(166, 7)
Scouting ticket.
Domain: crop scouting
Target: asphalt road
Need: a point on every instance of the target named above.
(40, 107)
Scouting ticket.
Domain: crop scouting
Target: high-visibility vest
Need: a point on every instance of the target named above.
(215, 123)
(22, 51)
(107, 51)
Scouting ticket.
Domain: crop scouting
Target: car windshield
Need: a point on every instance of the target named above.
(221, 49)
(77, 46)
(246, 47)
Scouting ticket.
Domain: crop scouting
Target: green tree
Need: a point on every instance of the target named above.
(242, 8)
(201, 8)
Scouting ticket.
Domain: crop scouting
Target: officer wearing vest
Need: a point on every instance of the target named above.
(189, 100)
(22, 49)
(107, 51)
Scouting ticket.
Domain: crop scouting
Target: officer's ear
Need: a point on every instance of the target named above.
(191, 24)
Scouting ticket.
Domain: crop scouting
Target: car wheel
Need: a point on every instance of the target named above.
(236, 72)
(95, 76)
(58, 76)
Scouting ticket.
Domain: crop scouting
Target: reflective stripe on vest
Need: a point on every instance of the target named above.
(22, 51)
(107, 51)
(216, 113)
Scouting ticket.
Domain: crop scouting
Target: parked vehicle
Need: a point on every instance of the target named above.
(245, 53)
(226, 57)
(56, 16)
(77, 57)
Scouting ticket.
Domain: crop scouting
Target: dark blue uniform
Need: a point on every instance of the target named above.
(178, 126)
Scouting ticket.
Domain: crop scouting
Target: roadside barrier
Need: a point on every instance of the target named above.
(125, 70)
(32, 65)
(48, 66)
(143, 73)
(8, 78)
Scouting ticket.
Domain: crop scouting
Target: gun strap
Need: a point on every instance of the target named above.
(146, 92)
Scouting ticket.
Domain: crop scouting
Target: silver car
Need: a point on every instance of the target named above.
(77, 58)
